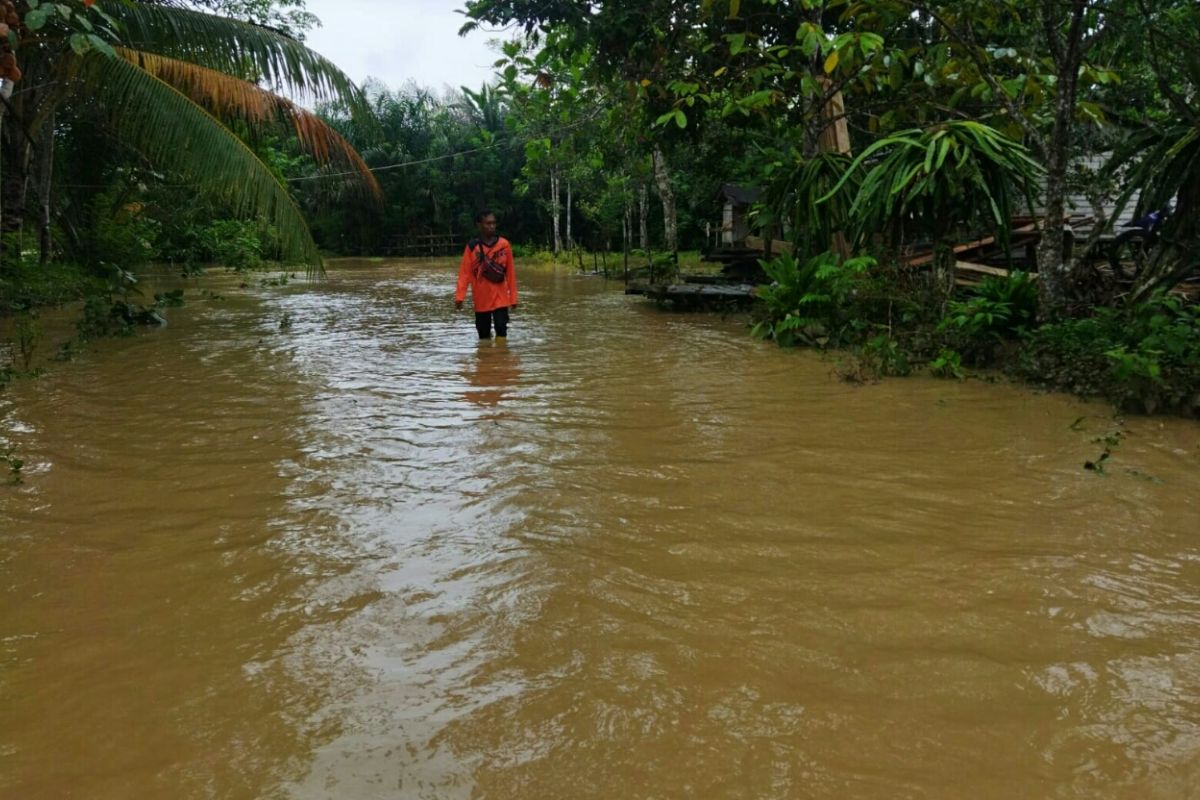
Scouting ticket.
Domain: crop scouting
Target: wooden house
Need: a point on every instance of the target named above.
(735, 217)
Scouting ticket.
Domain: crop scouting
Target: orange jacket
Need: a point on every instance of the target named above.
(488, 296)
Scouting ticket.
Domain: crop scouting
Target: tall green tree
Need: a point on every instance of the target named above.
(168, 82)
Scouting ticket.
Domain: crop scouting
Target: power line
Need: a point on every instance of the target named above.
(402, 164)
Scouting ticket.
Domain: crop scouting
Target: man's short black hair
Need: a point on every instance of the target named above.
(483, 214)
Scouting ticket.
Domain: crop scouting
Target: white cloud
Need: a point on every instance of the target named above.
(401, 40)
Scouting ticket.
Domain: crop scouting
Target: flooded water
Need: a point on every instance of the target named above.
(631, 555)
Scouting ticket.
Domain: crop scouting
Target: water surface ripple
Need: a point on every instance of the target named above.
(631, 555)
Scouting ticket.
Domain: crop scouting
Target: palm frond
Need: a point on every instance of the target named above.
(227, 96)
(236, 48)
(960, 172)
(1160, 162)
(797, 193)
(175, 132)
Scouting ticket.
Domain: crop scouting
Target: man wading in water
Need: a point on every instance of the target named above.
(487, 267)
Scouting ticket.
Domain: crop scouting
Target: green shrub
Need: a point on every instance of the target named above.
(999, 310)
(232, 243)
(1018, 293)
(948, 364)
(125, 237)
(26, 284)
(1144, 358)
(809, 303)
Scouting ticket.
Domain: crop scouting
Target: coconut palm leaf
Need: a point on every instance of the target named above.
(236, 48)
(226, 96)
(173, 131)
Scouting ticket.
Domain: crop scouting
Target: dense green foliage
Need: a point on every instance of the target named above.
(810, 303)
(1144, 358)
(875, 128)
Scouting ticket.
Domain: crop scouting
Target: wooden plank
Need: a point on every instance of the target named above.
(970, 274)
(701, 290)
(670, 291)
(968, 266)
(926, 258)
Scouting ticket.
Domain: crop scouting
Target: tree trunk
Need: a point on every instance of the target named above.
(643, 235)
(1052, 266)
(570, 239)
(555, 211)
(1053, 270)
(667, 194)
(943, 270)
(437, 211)
(13, 188)
(45, 171)
(627, 233)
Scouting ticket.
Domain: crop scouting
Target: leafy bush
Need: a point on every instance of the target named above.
(232, 243)
(1144, 358)
(978, 318)
(26, 284)
(1019, 293)
(808, 303)
(237, 244)
(948, 364)
(1000, 310)
(125, 237)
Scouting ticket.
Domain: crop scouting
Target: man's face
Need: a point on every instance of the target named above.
(487, 226)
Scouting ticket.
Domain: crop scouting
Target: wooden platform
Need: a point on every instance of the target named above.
(695, 296)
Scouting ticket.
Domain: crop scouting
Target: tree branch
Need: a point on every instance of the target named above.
(972, 48)
(1181, 104)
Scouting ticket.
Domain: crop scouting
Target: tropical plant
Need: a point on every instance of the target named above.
(795, 193)
(486, 108)
(940, 180)
(806, 301)
(1164, 171)
(1144, 356)
(171, 83)
(948, 364)
(1000, 308)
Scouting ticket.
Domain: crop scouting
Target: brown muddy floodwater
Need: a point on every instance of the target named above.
(633, 555)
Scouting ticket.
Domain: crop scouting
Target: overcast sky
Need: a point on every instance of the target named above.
(399, 40)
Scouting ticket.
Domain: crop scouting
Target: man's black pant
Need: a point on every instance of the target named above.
(484, 320)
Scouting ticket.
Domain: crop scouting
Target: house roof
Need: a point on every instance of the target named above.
(740, 195)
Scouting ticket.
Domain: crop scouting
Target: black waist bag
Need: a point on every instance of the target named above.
(490, 268)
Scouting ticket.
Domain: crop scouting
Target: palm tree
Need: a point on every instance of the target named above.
(168, 81)
(485, 108)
